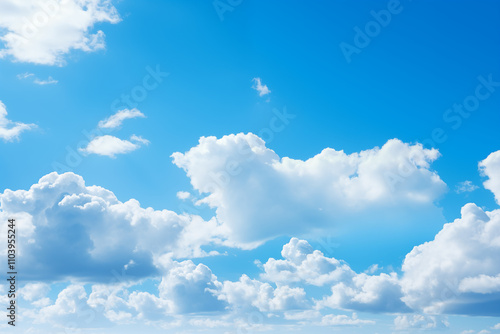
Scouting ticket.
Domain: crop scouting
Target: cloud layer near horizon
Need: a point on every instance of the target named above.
(455, 273)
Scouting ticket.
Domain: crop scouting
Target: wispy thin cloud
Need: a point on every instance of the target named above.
(259, 87)
(49, 81)
(24, 75)
(117, 119)
(139, 139)
(465, 187)
(10, 130)
(36, 80)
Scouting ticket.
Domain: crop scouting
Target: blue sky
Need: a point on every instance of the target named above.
(357, 128)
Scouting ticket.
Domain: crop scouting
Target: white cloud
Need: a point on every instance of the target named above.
(190, 288)
(148, 306)
(185, 288)
(71, 309)
(344, 320)
(117, 119)
(25, 75)
(105, 305)
(303, 264)
(490, 167)
(99, 234)
(110, 297)
(351, 291)
(369, 293)
(259, 87)
(480, 284)
(36, 80)
(183, 195)
(11, 130)
(139, 139)
(497, 326)
(111, 146)
(458, 271)
(419, 321)
(43, 32)
(247, 293)
(49, 81)
(34, 291)
(259, 195)
(465, 187)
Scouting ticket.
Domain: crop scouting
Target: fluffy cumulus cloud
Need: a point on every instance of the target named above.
(250, 293)
(184, 288)
(189, 287)
(370, 293)
(111, 146)
(9, 130)
(301, 263)
(117, 119)
(43, 32)
(70, 308)
(457, 272)
(259, 195)
(490, 167)
(350, 290)
(99, 234)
